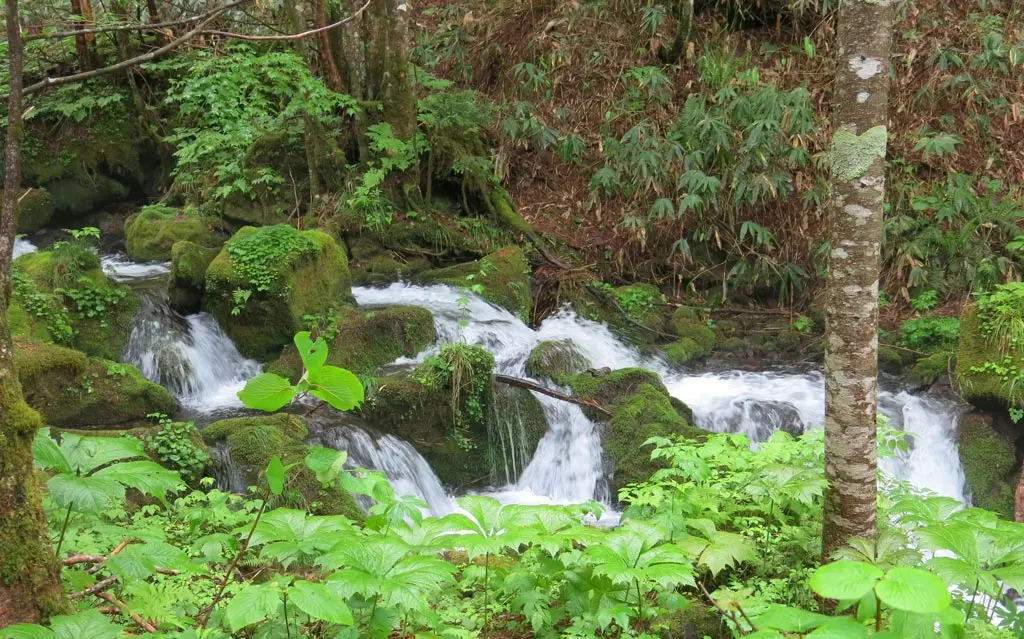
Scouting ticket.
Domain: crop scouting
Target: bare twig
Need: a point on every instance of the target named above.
(99, 566)
(120, 27)
(533, 386)
(84, 559)
(97, 587)
(123, 607)
(291, 36)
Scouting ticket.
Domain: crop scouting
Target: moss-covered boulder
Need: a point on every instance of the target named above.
(641, 408)
(252, 442)
(441, 409)
(365, 340)
(502, 278)
(265, 281)
(72, 390)
(187, 282)
(151, 233)
(373, 265)
(989, 461)
(929, 369)
(990, 357)
(631, 312)
(35, 210)
(557, 360)
(696, 339)
(70, 281)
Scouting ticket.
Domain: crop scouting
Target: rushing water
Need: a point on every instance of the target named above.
(188, 355)
(22, 246)
(123, 270)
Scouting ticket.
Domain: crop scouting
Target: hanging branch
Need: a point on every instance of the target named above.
(139, 59)
(543, 390)
(153, 26)
(291, 36)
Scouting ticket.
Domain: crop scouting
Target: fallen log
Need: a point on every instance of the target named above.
(544, 390)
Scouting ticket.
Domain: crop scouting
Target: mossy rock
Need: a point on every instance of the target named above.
(732, 344)
(290, 274)
(985, 369)
(386, 268)
(687, 325)
(641, 408)
(254, 441)
(516, 424)
(597, 305)
(35, 210)
(989, 460)
(684, 351)
(928, 369)
(367, 340)
(26, 326)
(503, 278)
(893, 359)
(106, 333)
(151, 233)
(187, 281)
(71, 390)
(555, 360)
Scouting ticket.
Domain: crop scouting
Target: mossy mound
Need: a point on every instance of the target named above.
(441, 409)
(641, 408)
(516, 423)
(928, 369)
(151, 233)
(288, 274)
(27, 326)
(71, 390)
(99, 310)
(35, 210)
(187, 281)
(989, 460)
(502, 278)
(254, 441)
(556, 360)
(986, 367)
(686, 350)
(367, 340)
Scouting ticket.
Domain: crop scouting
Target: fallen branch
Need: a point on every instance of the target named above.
(96, 588)
(84, 559)
(99, 565)
(544, 390)
(123, 607)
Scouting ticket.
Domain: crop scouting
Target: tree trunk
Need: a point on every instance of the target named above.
(685, 10)
(330, 66)
(857, 162)
(30, 588)
(78, 8)
(388, 67)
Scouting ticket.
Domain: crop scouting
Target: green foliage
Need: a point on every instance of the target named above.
(336, 386)
(93, 301)
(174, 444)
(42, 305)
(930, 333)
(260, 257)
(464, 371)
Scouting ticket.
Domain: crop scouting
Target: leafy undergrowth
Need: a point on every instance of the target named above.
(723, 537)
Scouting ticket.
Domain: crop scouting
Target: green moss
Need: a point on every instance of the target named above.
(614, 385)
(74, 391)
(851, 156)
(366, 340)
(986, 368)
(306, 280)
(928, 369)
(26, 326)
(151, 233)
(187, 281)
(555, 360)
(988, 459)
(502, 278)
(35, 210)
(893, 359)
(684, 351)
(253, 441)
(732, 344)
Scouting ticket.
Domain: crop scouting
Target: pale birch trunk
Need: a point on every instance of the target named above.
(857, 162)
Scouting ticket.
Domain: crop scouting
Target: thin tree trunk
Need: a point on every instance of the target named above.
(30, 588)
(330, 66)
(857, 161)
(685, 10)
(154, 18)
(81, 42)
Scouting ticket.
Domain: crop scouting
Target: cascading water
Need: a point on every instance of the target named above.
(407, 471)
(123, 270)
(21, 247)
(190, 356)
(566, 466)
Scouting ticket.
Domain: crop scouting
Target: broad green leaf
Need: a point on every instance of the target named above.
(336, 386)
(89, 624)
(1013, 576)
(957, 572)
(313, 354)
(275, 475)
(319, 602)
(845, 579)
(47, 453)
(85, 454)
(840, 628)
(26, 631)
(83, 494)
(325, 462)
(789, 619)
(147, 477)
(250, 605)
(267, 392)
(913, 590)
(132, 564)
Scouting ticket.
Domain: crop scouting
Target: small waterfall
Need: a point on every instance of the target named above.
(123, 270)
(22, 246)
(229, 476)
(405, 468)
(507, 435)
(190, 356)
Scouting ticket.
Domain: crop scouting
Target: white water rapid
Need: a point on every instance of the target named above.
(22, 246)
(566, 466)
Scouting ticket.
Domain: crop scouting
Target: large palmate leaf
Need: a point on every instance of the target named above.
(267, 392)
(252, 604)
(83, 494)
(47, 453)
(845, 580)
(146, 477)
(319, 602)
(85, 454)
(89, 624)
